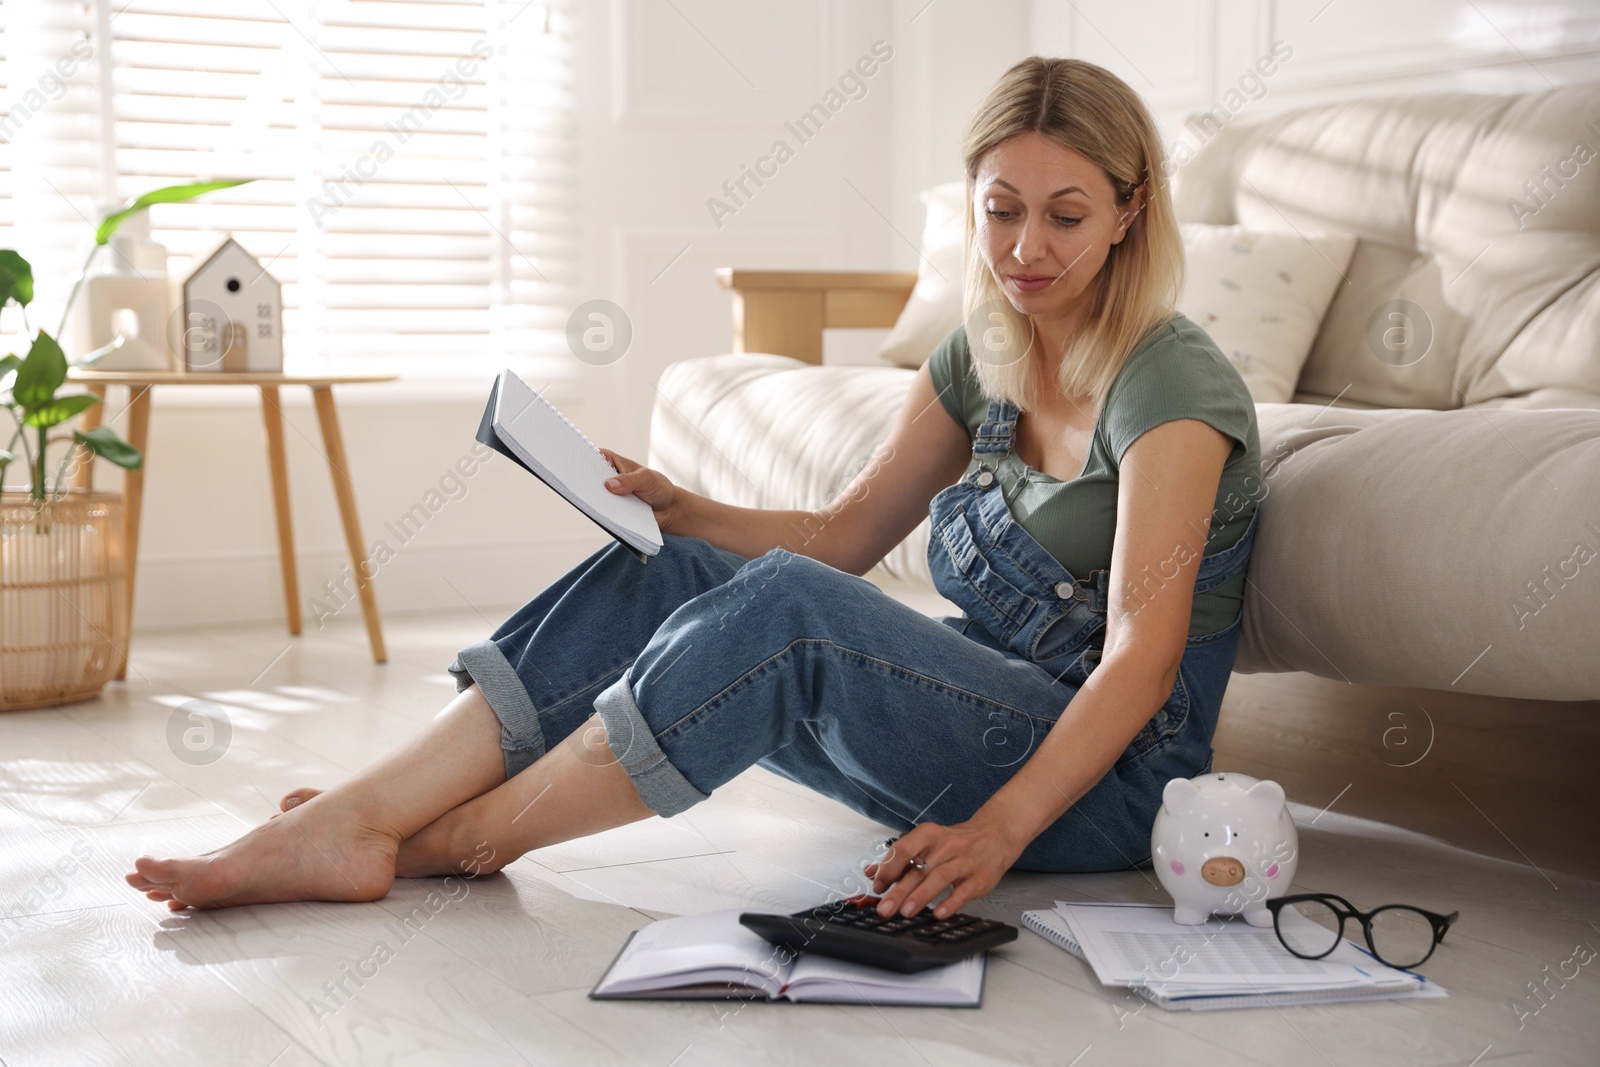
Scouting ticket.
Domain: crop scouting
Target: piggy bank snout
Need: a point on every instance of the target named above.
(1223, 871)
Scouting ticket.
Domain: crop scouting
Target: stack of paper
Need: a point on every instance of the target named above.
(1223, 963)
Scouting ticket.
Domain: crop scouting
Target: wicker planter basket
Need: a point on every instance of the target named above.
(63, 598)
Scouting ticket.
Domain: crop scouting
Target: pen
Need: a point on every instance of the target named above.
(918, 864)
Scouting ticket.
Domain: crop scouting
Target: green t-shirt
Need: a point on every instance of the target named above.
(1176, 373)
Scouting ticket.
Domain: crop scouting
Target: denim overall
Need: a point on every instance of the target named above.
(1018, 598)
(703, 663)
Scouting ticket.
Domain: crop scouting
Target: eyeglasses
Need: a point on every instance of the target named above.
(1310, 925)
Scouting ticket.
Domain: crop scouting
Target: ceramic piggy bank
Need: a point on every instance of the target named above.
(1223, 842)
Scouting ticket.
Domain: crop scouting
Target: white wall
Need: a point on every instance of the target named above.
(678, 99)
(675, 99)
(1185, 55)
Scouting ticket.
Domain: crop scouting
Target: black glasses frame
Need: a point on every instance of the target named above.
(1345, 910)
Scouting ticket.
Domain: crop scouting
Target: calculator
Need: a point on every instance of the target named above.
(851, 929)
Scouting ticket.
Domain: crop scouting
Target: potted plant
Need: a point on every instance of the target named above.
(63, 594)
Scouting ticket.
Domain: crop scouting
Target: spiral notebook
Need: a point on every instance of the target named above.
(1231, 964)
(523, 425)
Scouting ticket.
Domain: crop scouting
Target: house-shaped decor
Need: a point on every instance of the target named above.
(232, 313)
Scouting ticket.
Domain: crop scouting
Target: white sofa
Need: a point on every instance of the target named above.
(1435, 525)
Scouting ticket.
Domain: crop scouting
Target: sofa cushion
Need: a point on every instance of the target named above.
(1387, 337)
(767, 431)
(1434, 549)
(1479, 212)
(1429, 549)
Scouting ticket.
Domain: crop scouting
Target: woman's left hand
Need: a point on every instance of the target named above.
(970, 857)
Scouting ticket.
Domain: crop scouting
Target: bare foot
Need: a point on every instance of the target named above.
(319, 850)
(295, 797)
(437, 849)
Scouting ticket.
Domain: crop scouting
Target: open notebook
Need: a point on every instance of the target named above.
(713, 957)
(523, 425)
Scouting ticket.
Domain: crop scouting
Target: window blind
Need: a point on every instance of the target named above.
(49, 138)
(5, 133)
(414, 164)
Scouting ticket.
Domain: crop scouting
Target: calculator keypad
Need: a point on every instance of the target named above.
(953, 930)
(852, 929)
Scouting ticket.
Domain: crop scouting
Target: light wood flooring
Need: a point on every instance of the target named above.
(1496, 820)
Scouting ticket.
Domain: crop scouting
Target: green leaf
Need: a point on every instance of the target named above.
(41, 374)
(104, 442)
(59, 410)
(6, 458)
(169, 194)
(20, 274)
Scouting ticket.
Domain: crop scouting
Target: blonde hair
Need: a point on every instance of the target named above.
(1092, 111)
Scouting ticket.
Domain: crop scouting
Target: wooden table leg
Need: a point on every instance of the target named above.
(93, 416)
(272, 417)
(133, 498)
(344, 491)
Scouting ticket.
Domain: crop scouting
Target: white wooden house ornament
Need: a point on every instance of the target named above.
(232, 317)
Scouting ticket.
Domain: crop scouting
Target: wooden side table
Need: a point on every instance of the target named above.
(142, 383)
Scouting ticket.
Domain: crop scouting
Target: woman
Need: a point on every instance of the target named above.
(1088, 456)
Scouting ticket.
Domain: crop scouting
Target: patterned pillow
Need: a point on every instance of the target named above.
(1261, 297)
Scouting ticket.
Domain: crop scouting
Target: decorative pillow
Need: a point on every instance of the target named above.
(1261, 297)
(935, 305)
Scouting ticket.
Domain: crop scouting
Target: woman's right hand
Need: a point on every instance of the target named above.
(651, 486)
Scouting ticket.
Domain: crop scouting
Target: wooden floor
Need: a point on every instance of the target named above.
(1495, 819)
